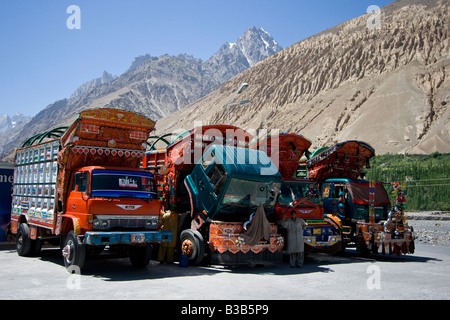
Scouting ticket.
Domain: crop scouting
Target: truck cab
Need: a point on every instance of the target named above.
(300, 195)
(354, 197)
(230, 190)
(97, 192)
(111, 206)
(348, 203)
(226, 187)
(303, 197)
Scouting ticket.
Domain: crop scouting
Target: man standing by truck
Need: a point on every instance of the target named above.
(169, 223)
(295, 244)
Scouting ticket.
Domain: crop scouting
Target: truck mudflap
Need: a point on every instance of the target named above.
(246, 258)
(393, 245)
(375, 238)
(111, 238)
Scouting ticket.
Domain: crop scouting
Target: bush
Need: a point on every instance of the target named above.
(425, 178)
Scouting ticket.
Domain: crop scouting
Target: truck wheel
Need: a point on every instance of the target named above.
(74, 253)
(140, 256)
(193, 246)
(23, 241)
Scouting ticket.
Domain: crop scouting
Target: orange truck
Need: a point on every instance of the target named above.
(81, 187)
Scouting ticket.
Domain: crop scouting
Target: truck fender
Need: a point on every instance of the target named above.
(14, 224)
(334, 220)
(70, 223)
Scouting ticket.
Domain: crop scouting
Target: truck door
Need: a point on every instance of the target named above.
(327, 197)
(79, 193)
(210, 185)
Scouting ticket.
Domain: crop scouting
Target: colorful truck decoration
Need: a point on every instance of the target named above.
(348, 159)
(211, 177)
(300, 195)
(82, 186)
(360, 208)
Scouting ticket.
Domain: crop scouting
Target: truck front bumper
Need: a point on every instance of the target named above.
(330, 246)
(110, 238)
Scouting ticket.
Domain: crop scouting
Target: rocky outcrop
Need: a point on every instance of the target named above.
(233, 58)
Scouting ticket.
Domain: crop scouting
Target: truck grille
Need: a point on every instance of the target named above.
(105, 222)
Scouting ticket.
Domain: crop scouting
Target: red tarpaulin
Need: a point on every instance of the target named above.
(360, 193)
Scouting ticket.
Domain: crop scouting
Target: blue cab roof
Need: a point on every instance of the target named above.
(243, 162)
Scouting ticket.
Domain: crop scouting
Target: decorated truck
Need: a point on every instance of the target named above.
(299, 194)
(82, 187)
(225, 193)
(360, 208)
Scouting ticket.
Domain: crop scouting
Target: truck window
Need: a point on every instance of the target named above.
(338, 189)
(250, 193)
(326, 190)
(109, 183)
(80, 182)
(217, 178)
(288, 194)
(207, 159)
(312, 193)
(295, 190)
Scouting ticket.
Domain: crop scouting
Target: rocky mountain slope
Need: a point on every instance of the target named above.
(153, 86)
(388, 86)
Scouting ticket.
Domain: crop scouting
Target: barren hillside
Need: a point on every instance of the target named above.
(388, 86)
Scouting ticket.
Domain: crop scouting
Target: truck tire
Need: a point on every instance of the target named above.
(140, 256)
(74, 253)
(193, 246)
(23, 241)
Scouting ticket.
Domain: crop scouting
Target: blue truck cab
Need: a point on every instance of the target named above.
(354, 197)
(229, 183)
(225, 188)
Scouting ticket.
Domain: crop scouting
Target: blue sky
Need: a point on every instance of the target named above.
(42, 60)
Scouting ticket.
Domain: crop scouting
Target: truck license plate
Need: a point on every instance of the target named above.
(137, 238)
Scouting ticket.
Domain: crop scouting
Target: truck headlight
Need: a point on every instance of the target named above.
(100, 224)
(152, 223)
(96, 223)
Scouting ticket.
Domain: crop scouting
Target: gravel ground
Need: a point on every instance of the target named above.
(431, 227)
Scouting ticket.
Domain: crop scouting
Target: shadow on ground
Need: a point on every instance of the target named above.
(113, 267)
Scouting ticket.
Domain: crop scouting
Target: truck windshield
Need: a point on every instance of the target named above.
(116, 184)
(242, 198)
(295, 190)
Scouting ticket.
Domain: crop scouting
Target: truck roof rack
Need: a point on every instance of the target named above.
(38, 138)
